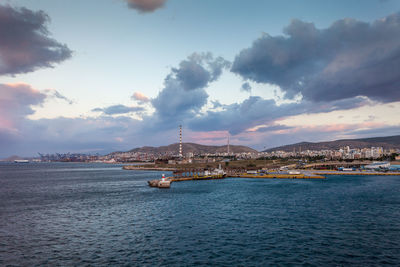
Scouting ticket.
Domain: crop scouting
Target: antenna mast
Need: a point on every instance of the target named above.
(228, 144)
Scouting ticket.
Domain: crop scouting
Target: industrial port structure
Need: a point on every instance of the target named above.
(198, 174)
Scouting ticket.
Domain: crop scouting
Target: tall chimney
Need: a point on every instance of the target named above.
(180, 141)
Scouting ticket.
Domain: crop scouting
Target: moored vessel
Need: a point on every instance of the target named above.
(21, 161)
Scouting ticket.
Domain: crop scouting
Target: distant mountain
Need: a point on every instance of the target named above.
(385, 142)
(194, 148)
(12, 158)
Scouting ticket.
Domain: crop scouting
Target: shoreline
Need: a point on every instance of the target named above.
(140, 168)
(268, 175)
(165, 183)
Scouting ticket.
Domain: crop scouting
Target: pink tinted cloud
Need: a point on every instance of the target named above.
(140, 97)
(207, 138)
(220, 138)
(342, 127)
(5, 124)
(16, 101)
(26, 43)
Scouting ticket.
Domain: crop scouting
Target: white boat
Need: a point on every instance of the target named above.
(219, 171)
(378, 165)
(21, 161)
(216, 172)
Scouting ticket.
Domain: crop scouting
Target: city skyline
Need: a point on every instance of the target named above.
(102, 76)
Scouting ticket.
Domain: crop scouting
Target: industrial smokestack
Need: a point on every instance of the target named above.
(180, 141)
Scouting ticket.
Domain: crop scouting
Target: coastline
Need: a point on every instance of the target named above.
(143, 168)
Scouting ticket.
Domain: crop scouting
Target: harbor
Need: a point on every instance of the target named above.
(219, 173)
(374, 173)
(209, 167)
(216, 174)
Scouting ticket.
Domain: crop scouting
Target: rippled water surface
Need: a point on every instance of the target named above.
(96, 214)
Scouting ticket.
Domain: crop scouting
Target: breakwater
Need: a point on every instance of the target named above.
(178, 177)
(283, 176)
(159, 182)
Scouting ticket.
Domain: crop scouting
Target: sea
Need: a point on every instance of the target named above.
(72, 214)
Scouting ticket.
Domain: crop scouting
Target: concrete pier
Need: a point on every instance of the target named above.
(283, 176)
(327, 172)
(167, 182)
(160, 183)
(195, 174)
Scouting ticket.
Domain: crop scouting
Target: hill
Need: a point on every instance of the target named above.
(12, 158)
(194, 148)
(385, 142)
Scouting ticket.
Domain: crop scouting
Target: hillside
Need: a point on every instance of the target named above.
(12, 158)
(192, 147)
(385, 142)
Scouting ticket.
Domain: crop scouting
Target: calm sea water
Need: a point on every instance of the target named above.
(97, 214)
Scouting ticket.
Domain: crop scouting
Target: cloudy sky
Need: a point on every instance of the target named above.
(103, 75)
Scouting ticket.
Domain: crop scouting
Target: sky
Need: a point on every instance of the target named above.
(97, 76)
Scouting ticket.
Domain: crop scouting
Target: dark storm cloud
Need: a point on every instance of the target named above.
(273, 128)
(253, 111)
(175, 102)
(342, 104)
(216, 104)
(25, 44)
(377, 131)
(145, 6)
(199, 70)
(118, 109)
(246, 87)
(238, 117)
(184, 92)
(350, 58)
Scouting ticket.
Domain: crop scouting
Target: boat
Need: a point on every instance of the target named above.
(378, 165)
(21, 161)
(218, 172)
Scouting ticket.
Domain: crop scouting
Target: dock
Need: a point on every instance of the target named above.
(283, 176)
(184, 176)
(326, 172)
(169, 180)
(196, 174)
